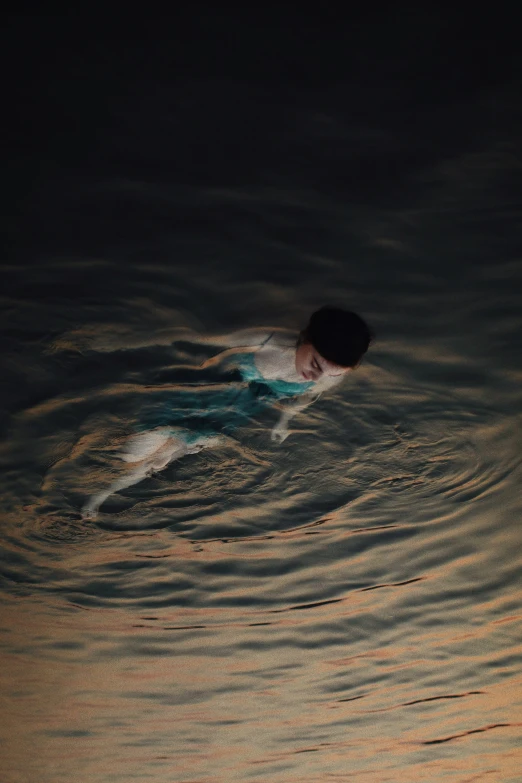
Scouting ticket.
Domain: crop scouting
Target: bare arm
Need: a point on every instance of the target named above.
(290, 409)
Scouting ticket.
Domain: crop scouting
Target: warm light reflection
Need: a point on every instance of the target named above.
(89, 686)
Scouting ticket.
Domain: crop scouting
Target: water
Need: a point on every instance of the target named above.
(345, 606)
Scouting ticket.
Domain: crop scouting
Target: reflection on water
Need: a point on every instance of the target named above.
(343, 606)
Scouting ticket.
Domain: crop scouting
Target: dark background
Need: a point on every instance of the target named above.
(213, 96)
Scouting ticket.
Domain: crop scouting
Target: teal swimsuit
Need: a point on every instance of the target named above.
(218, 403)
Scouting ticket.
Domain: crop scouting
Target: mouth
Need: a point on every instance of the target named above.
(305, 376)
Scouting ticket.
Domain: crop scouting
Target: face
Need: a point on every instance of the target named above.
(311, 365)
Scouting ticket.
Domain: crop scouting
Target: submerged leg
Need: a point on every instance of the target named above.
(90, 509)
(149, 452)
(145, 444)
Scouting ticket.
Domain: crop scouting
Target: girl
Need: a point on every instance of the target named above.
(273, 367)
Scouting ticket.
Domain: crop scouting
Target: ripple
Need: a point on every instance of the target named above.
(347, 601)
(468, 733)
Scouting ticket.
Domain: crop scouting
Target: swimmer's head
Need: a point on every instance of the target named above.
(334, 341)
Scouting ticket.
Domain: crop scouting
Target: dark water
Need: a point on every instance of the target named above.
(345, 606)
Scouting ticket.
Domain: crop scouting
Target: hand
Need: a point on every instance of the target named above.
(279, 433)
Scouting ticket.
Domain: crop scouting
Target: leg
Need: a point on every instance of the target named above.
(149, 451)
(90, 509)
(144, 445)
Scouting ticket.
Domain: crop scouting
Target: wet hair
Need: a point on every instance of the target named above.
(340, 336)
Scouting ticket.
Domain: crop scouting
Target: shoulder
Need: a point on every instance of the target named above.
(269, 336)
(254, 338)
(240, 338)
(283, 338)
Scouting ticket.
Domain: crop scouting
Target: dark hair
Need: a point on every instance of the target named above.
(340, 336)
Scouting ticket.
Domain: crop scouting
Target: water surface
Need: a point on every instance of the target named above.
(345, 605)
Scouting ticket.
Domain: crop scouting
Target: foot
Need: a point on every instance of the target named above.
(206, 442)
(89, 511)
